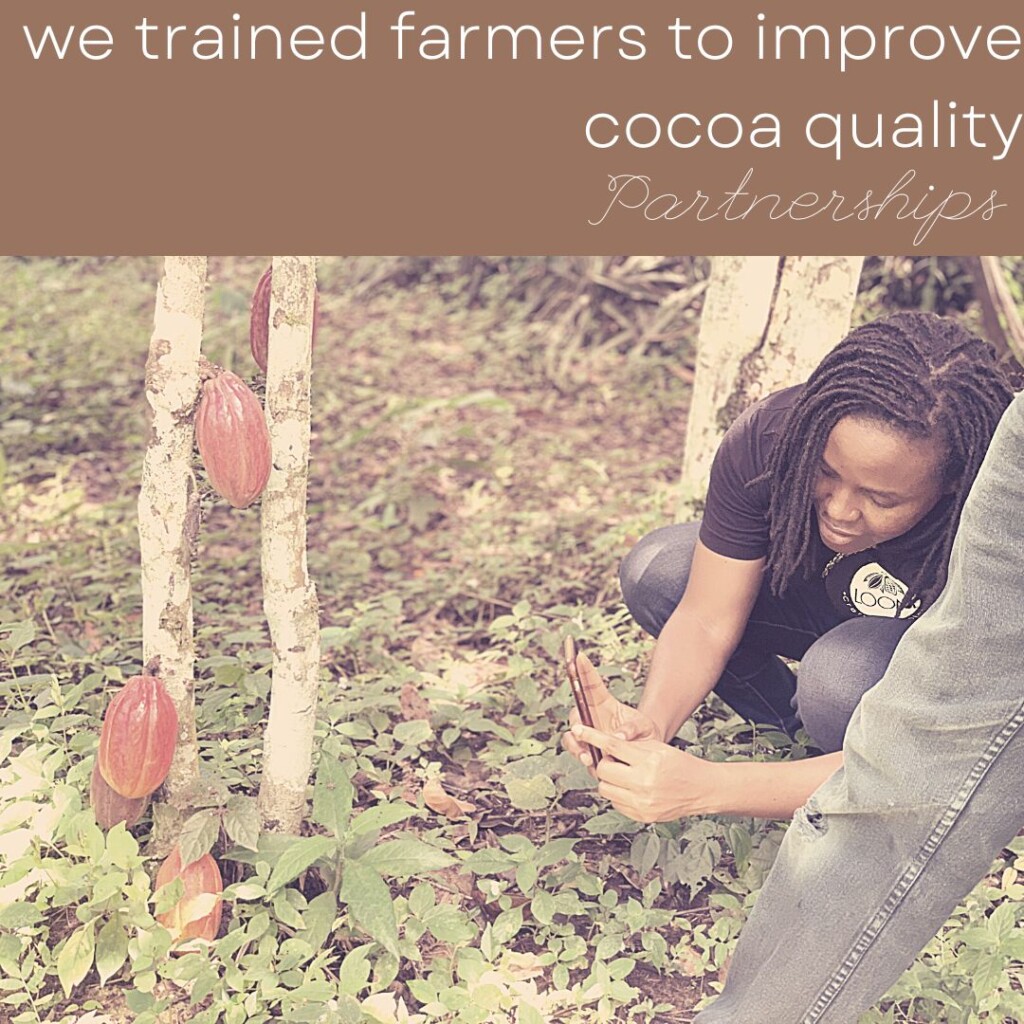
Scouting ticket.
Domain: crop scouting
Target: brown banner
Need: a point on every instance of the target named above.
(529, 127)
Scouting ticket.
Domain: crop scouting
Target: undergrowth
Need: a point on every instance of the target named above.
(466, 512)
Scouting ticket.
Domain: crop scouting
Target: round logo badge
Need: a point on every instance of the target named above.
(873, 591)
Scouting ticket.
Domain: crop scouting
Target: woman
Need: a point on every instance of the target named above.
(828, 525)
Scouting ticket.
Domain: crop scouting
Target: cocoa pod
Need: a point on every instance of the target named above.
(234, 442)
(259, 319)
(197, 914)
(140, 729)
(109, 806)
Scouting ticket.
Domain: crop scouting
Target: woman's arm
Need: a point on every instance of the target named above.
(652, 781)
(772, 789)
(700, 636)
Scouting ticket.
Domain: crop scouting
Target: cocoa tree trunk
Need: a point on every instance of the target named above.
(767, 322)
(999, 314)
(289, 596)
(169, 518)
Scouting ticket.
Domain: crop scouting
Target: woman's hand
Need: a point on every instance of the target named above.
(610, 715)
(648, 780)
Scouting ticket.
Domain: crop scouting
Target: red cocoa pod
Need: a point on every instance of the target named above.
(140, 729)
(195, 915)
(109, 806)
(259, 319)
(233, 439)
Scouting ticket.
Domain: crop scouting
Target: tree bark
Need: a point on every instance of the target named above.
(999, 312)
(767, 322)
(733, 324)
(169, 516)
(289, 596)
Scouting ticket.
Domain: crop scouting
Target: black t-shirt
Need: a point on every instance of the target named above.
(870, 582)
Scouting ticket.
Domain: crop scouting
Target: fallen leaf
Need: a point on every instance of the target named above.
(438, 799)
(93, 638)
(413, 704)
(723, 971)
(387, 1008)
(454, 883)
(690, 963)
(523, 965)
(473, 676)
(425, 653)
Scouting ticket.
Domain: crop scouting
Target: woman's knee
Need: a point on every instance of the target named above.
(653, 575)
(837, 670)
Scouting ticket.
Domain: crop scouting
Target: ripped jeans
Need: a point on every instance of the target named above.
(932, 788)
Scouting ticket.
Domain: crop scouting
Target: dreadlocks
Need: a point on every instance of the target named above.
(923, 375)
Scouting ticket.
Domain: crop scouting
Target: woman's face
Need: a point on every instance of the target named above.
(874, 484)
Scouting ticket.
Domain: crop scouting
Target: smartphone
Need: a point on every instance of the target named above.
(570, 652)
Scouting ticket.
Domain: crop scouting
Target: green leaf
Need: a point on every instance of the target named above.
(354, 974)
(507, 925)
(554, 851)
(259, 924)
(422, 899)
(198, 835)
(168, 896)
(422, 991)
(6, 743)
(449, 924)
(111, 949)
(489, 862)
(977, 937)
(319, 917)
(19, 634)
(138, 1001)
(346, 1011)
(1013, 946)
(270, 848)
(413, 733)
(229, 675)
(19, 915)
(381, 815)
(543, 907)
(246, 891)
(644, 852)
(286, 913)
(309, 992)
(526, 875)
(611, 823)
(608, 946)
(299, 855)
(988, 974)
(1003, 921)
(75, 958)
(528, 1014)
(532, 794)
(242, 822)
(369, 903)
(741, 844)
(110, 884)
(488, 946)
(332, 796)
(656, 946)
(404, 857)
(122, 847)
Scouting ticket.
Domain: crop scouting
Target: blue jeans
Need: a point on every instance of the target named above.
(930, 791)
(839, 659)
